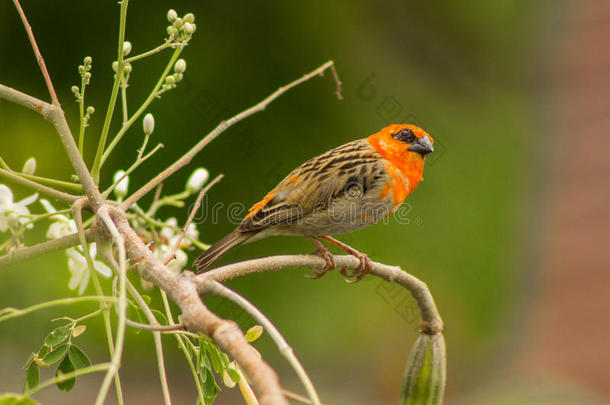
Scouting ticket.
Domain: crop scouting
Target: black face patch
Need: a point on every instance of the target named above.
(405, 135)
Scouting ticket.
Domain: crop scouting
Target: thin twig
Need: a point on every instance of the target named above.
(156, 337)
(39, 58)
(25, 100)
(154, 328)
(78, 221)
(297, 397)
(41, 188)
(118, 240)
(224, 125)
(214, 287)
(31, 252)
(171, 254)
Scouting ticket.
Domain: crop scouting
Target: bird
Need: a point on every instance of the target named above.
(345, 189)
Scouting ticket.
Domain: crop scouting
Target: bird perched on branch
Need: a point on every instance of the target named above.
(345, 189)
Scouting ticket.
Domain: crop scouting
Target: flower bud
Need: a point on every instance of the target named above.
(121, 188)
(75, 90)
(88, 60)
(170, 30)
(115, 66)
(197, 180)
(29, 167)
(127, 68)
(178, 23)
(178, 77)
(189, 18)
(180, 66)
(424, 380)
(188, 28)
(172, 15)
(126, 48)
(170, 80)
(90, 110)
(148, 123)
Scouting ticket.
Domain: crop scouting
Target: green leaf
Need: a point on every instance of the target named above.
(65, 367)
(233, 374)
(57, 336)
(160, 316)
(210, 388)
(55, 355)
(32, 376)
(78, 357)
(254, 333)
(16, 399)
(214, 358)
(44, 349)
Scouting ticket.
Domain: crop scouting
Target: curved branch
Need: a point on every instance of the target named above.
(216, 288)
(431, 319)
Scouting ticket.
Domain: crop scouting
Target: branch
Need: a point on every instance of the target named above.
(31, 252)
(25, 100)
(42, 189)
(431, 320)
(195, 315)
(223, 126)
(214, 287)
(171, 254)
(39, 58)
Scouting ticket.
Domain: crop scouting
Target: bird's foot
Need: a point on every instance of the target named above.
(366, 264)
(324, 253)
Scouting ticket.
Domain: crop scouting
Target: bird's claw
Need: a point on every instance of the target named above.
(353, 276)
(330, 264)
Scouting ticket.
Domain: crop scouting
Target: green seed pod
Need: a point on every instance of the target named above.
(424, 380)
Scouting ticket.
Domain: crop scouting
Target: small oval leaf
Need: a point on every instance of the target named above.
(254, 333)
(57, 336)
(55, 355)
(79, 330)
(65, 367)
(16, 399)
(32, 376)
(78, 357)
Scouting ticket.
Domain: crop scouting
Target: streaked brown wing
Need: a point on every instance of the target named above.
(313, 185)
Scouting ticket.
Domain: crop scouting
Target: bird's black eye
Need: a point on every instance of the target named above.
(405, 135)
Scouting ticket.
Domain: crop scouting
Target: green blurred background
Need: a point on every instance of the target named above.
(476, 75)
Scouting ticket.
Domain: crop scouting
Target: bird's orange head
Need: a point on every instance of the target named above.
(405, 146)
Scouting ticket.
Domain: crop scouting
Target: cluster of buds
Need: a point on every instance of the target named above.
(83, 70)
(181, 29)
(171, 80)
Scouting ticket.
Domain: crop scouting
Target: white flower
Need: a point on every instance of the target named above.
(77, 264)
(197, 180)
(13, 213)
(62, 225)
(29, 167)
(180, 65)
(148, 123)
(121, 189)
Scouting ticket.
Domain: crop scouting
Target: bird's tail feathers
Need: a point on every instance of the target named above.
(219, 248)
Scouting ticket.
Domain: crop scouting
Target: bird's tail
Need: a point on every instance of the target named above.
(219, 248)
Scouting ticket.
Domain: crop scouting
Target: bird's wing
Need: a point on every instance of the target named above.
(314, 184)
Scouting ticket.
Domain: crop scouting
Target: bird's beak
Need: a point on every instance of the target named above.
(423, 146)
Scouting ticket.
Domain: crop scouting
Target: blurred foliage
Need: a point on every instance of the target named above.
(465, 71)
